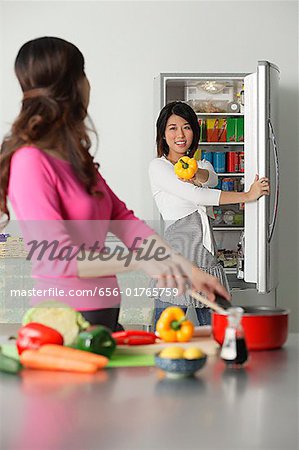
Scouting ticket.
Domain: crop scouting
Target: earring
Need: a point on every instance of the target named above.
(164, 137)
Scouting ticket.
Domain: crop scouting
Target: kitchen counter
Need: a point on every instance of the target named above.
(139, 409)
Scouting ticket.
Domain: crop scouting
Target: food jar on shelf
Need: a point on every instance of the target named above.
(218, 216)
(238, 185)
(228, 184)
(229, 217)
(219, 185)
(232, 162)
(241, 161)
(241, 184)
(208, 156)
(233, 107)
(239, 219)
(219, 162)
(241, 97)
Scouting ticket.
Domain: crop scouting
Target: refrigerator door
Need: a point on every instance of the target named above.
(251, 169)
(261, 124)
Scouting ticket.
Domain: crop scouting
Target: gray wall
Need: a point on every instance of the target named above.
(127, 43)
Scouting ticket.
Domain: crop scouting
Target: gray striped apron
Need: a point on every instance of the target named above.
(186, 237)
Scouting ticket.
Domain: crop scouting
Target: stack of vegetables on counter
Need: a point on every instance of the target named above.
(56, 337)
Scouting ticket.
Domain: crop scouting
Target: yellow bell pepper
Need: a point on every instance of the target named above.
(186, 167)
(173, 326)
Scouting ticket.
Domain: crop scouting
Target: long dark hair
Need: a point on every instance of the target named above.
(51, 73)
(179, 109)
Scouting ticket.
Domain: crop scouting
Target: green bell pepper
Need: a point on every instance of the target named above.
(96, 340)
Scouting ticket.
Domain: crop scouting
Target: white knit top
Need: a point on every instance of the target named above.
(176, 199)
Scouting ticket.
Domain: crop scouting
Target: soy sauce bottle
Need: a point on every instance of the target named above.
(234, 350)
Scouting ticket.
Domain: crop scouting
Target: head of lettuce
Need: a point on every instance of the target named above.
(59, 316)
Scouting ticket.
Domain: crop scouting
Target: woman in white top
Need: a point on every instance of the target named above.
(186, 206)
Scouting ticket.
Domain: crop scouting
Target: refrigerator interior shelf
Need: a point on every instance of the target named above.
(230, 270)
(222, 146)
(230, 174)
(224, 114)
(231, 228)
(222, 143)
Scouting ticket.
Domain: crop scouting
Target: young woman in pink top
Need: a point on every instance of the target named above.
(63, 203)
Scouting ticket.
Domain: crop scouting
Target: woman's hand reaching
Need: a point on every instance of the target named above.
(177, 272)
(159, 261)
(259, 187)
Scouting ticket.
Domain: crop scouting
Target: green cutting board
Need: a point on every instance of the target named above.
(123, 359)
(120, 358)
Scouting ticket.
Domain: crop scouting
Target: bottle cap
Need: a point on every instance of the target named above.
(235, 315)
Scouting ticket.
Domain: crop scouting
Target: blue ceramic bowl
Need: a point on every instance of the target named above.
(179, 368)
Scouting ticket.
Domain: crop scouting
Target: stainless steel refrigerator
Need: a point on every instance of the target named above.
(242, 109)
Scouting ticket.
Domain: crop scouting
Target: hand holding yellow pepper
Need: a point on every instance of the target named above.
(186, 167)
(173, 326)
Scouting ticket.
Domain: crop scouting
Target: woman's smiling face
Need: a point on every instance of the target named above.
(179, 137)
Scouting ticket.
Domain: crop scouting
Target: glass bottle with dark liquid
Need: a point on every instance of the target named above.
(234, 350)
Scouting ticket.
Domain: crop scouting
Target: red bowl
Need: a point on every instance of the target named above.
(265, 328)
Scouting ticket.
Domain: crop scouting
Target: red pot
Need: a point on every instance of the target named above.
(265, 328)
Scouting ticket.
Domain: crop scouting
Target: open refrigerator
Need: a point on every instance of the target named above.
(238, 118)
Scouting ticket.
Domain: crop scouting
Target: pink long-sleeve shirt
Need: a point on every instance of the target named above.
(52, 205)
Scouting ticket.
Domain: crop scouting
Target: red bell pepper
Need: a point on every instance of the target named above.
(34, 335)
(134, 337)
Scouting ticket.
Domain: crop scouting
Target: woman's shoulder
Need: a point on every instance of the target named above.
(159, 163)
(31, 160)
(29, 153)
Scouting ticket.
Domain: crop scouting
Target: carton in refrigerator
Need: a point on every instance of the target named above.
(212, 130)
(240, 129)
(222, 130)
(231, 129)
(208, 156)
(202, 130)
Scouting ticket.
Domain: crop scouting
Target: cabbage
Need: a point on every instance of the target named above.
(59, 316)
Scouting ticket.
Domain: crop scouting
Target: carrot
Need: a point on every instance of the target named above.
(34, 359)
(73, 353)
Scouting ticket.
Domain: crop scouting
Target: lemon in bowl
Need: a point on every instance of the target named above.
(178, 362)
(193, 353)
(173, 352)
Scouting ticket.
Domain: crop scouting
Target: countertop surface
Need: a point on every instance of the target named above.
(139, 409)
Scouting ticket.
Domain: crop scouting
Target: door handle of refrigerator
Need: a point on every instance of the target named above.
(276, 162)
